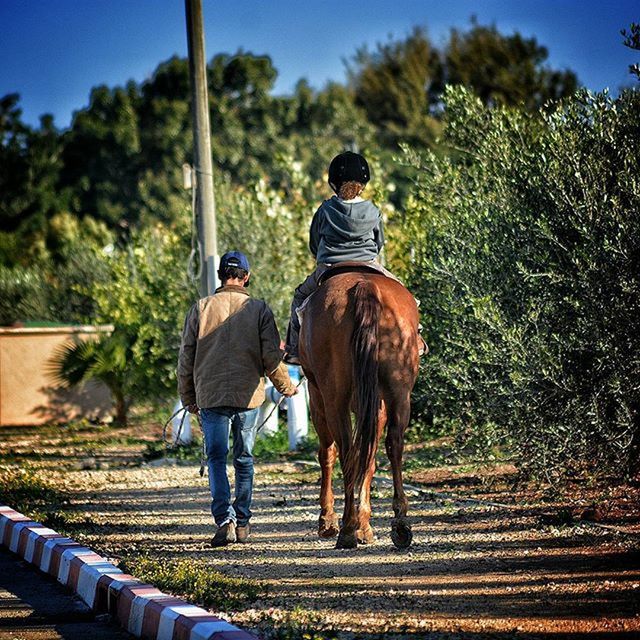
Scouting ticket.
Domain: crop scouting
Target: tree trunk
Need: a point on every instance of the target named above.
(122, 409)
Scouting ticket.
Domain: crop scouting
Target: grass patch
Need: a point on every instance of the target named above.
(107, 441)
(69, 523)
(196, 581)
(28, 491)
(271, 448)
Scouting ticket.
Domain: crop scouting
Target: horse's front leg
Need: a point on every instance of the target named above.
(400, 528)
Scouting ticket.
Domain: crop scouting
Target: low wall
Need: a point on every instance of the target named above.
(28, 395)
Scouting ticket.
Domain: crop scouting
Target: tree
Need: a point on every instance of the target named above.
(101, 157)
(104, 360)
(29, 168)
(632, 40)
(397, 86)
(13, 162)
(504, 70)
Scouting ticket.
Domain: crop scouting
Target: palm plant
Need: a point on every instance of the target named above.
(105, 360)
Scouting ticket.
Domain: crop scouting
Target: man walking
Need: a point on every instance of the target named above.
(229, 342)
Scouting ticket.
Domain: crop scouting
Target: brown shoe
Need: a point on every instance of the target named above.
(243, 533)
(225, 534)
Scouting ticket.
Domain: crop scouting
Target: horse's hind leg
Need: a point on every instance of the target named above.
(365, 533)
(398, 420)
(328, 522)
(347, 538)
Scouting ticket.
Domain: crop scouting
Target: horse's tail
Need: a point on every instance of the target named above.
(365, 376)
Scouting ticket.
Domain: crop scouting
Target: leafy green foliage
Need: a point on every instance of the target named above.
(105, 360)
(526, 261)
(53, 286)
(519, 229)
(23, 295)
(120, 161)
(145, 298)
(271, 228)
(397, 86)
(632, 40)
(505, 70)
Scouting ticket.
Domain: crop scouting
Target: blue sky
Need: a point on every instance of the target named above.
(54, 51)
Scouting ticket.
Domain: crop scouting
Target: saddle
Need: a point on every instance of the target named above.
(358, 267)
(350, 267)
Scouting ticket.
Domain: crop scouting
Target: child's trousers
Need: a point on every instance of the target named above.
(302, 292)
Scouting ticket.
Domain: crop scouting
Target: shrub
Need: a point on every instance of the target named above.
(106, 360)
(23, 295)
(145, 297)
(526, 246)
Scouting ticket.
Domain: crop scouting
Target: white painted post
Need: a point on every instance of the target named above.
(297, 416)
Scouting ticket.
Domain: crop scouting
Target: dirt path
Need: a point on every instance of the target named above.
(473, 571)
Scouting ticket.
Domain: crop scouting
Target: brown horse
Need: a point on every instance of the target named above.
(359, 346)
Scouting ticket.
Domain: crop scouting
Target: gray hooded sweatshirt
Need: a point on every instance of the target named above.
(342, 231)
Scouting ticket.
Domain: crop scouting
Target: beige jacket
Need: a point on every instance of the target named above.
(229, 342)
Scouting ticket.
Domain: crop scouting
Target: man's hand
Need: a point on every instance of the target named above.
(192, 408)
(290, 392)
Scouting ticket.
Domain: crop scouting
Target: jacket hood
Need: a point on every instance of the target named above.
(351, 219)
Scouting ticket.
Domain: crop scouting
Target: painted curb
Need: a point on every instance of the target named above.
(140, 608)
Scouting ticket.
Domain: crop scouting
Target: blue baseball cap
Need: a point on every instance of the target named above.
(234, 259)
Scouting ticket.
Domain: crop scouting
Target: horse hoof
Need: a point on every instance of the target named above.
(401, 535)
(365, 536)
(327, 532)
(347, 541)
(328, 527)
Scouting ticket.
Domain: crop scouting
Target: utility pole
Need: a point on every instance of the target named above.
(205, 201)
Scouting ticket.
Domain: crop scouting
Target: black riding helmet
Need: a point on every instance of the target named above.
(348, 167)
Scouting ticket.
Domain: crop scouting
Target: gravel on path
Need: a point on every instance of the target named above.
(473, 570)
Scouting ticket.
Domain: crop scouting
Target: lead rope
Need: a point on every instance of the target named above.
(184, 411)
(277, 405)
(166, 426)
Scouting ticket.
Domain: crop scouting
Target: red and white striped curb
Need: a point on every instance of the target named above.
(140, 608)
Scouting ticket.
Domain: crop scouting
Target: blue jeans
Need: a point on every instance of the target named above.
(217, 424)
